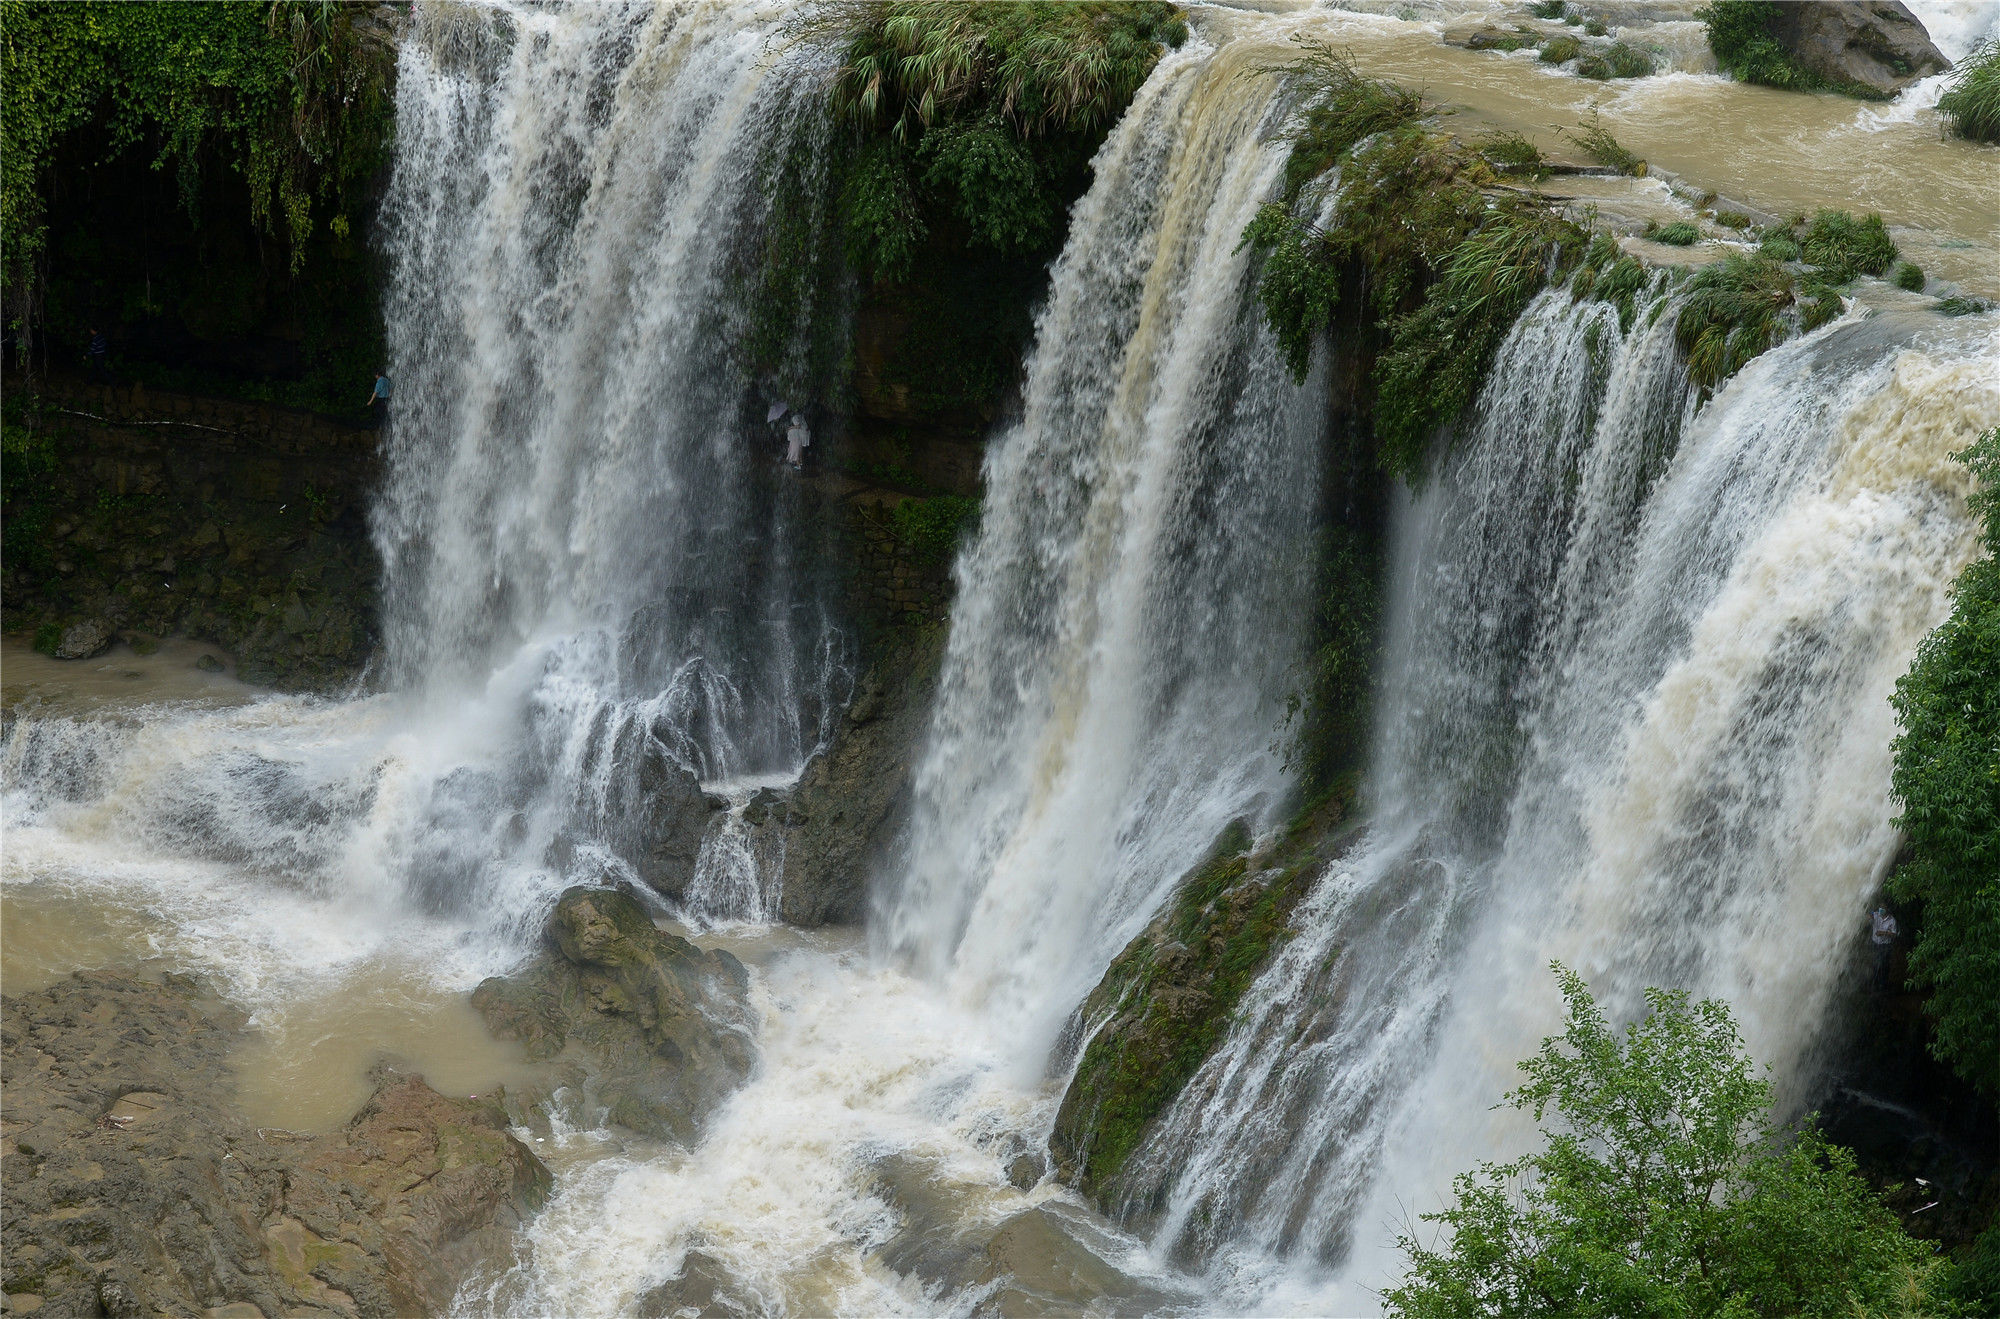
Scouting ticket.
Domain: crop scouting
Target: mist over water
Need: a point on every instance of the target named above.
(1634, 707)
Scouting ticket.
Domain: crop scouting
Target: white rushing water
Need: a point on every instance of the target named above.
(1636, 719)
(1634, 713)
(592, 569)
(1122, 634)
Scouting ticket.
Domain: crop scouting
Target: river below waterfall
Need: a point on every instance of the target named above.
(1636, 639)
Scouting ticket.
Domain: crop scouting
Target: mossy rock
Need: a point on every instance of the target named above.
(1169, 998)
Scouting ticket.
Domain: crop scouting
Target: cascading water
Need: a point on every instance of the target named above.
(1119, 645)
(1636, 720)
(1634, 716)
(593, 582)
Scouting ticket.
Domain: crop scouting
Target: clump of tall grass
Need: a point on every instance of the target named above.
(1043, 67)
(1680, 233)
(1343, 108)
(1843, 247)
(1909, 276)
(1742, 306)
(1561, 50)
(1971, 105)
(1550, 9)
(1617, 60)
(1514, 153)
(1596, 141)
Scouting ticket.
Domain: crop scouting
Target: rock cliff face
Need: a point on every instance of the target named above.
(850, 800)
(141, 513)
(135, 1187)
(650, 1031)
(1876, 45)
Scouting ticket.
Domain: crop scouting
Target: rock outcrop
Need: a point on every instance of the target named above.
(135, 1187)
(1046, 1258)
(650, 1031)
(1876, 46)
(850, 800)
(1167, 1000)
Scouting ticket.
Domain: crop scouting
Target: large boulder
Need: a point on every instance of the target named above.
(656, 812)
(134, 1185)
(1875, 46)
(851, 798)
(650, 1030)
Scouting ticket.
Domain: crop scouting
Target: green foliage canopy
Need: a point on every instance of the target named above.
(978, 114)
(1661, 1191)
(284, 93)
(1947, 776)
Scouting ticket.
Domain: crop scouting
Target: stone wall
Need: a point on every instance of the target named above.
(155, 514)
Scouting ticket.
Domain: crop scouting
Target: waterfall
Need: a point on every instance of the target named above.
(1636, 719)
(599, 584)
(1120, 643)
(574, 228)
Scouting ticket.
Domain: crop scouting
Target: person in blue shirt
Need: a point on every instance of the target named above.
(99, 353)
(378, 398)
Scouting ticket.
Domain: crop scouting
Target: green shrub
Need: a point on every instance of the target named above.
(1970, 107)
(1780, 247)
(1947, 777)
(1740, 307)
(1595, 141)
(1909, 275)
(1661, 1187)
(1561, 50)
(1626, 62)
(1342, 109)
(1595, 27)
(1514, 153)
(930, 529)
(285, 94)
(1739, 34)
(47, 637)
(1438, 356)
(1680, 233)
(1733, 220)
(1549, 9)
(982, 117)
(1843, 247)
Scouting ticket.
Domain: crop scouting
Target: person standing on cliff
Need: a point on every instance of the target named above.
(378, 398)
(99, 355)
(796, 441)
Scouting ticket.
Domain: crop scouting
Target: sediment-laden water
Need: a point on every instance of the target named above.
(1634, 713)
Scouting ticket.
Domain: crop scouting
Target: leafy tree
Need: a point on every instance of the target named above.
(1947, 776)
(1662, 1191)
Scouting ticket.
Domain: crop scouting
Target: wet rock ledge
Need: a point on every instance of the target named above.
(133, 1186)
(646, 1030)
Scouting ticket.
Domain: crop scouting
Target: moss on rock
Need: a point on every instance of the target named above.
(1168, 999)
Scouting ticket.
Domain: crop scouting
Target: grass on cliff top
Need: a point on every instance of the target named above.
(1041, 66)
(1742, 306)
(1344, 108)
(1970, 107)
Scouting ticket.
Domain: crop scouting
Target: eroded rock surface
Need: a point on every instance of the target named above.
(1876, 46)
(851, 797)
(649, 1030)
(134, 1186)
